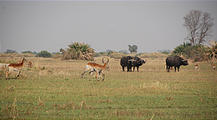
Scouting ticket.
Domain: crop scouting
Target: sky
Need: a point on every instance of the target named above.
(105, 25)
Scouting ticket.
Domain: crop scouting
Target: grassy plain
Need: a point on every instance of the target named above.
(53, 89)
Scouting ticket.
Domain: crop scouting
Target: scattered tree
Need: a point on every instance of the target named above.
(133, 48)
(198, 25)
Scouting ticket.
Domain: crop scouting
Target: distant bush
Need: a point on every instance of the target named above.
(116, 55)
(78, 51)
(56, 55)
(164, 51)
(28, 51)
(98, 54)
(10, 51)
(124, 51)
(44, 53)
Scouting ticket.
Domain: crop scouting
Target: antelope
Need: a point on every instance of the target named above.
(94, 67)
(196, 67)
(213, 66)
(15, 67)
(30, 64)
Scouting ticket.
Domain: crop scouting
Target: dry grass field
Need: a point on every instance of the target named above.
(53, 89)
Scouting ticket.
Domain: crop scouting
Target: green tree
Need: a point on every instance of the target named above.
(133, 48)
(179, 50)
(44, 53)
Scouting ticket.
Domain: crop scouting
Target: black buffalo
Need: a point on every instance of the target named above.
(129, 62)
(126, 61)
(175, 61)
(137, 62)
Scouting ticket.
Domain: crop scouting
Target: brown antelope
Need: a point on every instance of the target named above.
(196, 66)
(15, 67)
(213, 66)
(94, 67)
(30, 64)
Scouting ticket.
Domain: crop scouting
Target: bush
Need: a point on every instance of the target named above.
(196, 52)
(44, 53)
(181, 49)
(30, 52)
(78, 51)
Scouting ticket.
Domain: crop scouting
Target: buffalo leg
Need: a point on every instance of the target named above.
(168, 68)
(128, 68)
(123, 68)
(138, 69)
(133, 68)
(178, 68)
(175, 69)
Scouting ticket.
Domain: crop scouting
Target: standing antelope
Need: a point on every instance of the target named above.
(196, 67)
(213, 66)
(16, 67)
(94, 67)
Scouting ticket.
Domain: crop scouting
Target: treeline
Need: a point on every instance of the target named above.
(42, 53)
(82, 51)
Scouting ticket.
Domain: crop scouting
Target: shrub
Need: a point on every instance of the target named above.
(29, 52)
(194, 52)
(44, 53)
(181, 49)
(78, 51)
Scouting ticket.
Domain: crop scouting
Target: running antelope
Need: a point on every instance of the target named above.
(99, 69)
(15, 67)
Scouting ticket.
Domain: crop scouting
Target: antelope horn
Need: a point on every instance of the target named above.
(103, 60)
(107, 60)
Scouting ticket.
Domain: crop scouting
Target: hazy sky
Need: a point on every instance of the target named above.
(51, 25)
